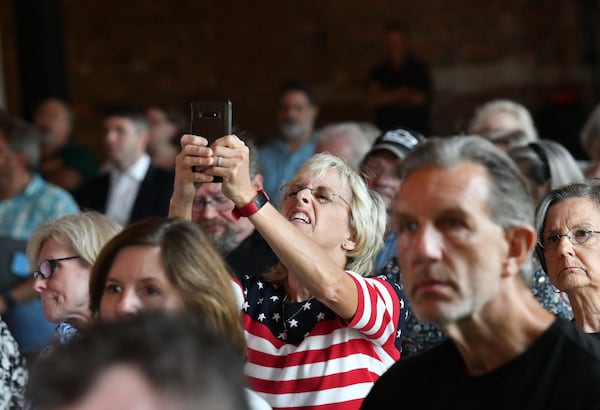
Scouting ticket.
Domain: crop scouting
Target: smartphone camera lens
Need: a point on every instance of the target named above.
(210, 115)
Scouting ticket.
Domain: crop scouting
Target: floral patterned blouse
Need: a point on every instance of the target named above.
(13, 371)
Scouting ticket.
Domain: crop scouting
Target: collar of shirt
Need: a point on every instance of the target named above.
(136, 171)
(33, 186)
(283, 147)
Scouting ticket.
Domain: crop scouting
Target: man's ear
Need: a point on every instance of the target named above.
(521, 241)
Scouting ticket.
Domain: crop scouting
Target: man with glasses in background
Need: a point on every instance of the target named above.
(244, 249)
(379, 169)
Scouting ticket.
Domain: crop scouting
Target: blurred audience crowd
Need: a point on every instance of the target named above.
(343, 265)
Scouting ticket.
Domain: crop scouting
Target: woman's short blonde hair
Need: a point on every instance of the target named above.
(85, 233)
(367, 210)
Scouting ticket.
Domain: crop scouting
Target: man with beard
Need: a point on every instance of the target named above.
(244, 249)
(281, 158)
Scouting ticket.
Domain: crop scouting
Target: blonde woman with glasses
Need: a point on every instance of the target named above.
(63, 252)
(319, 331)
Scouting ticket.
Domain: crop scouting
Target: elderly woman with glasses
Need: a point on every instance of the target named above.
(64, 251)
(568, 227)
(319, 332)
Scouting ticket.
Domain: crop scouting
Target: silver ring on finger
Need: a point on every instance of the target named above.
(219, 160)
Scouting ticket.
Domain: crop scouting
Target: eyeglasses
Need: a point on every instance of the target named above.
(576, 236)
(219, 203)
(321, 194)
(48, 266)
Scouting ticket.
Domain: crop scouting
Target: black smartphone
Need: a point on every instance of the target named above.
(211, 119)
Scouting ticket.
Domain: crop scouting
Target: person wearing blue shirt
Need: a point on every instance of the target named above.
(281, 158)
(26, 201)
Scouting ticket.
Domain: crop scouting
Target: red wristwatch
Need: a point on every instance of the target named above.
(250, 209)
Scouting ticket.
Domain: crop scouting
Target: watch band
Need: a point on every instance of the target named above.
(251, 208)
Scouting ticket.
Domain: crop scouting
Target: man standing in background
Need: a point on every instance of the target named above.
(280, 159)
(133, 188)
(400, 88)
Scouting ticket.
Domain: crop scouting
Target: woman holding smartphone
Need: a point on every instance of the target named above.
(318, 331)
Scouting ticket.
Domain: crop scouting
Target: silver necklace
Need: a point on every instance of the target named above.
(303, 307)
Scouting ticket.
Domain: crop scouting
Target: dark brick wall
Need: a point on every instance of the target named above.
(144, 52)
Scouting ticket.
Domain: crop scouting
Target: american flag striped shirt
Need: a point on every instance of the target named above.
(317, 360)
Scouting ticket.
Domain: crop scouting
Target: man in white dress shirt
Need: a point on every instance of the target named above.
(133, 188)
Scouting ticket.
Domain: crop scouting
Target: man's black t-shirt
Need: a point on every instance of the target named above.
(561, 370)
(252, 257)
(415, 74)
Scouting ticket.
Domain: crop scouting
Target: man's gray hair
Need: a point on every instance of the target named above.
(509, 203)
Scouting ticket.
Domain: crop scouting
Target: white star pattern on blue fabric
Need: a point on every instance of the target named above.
(287, 321)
